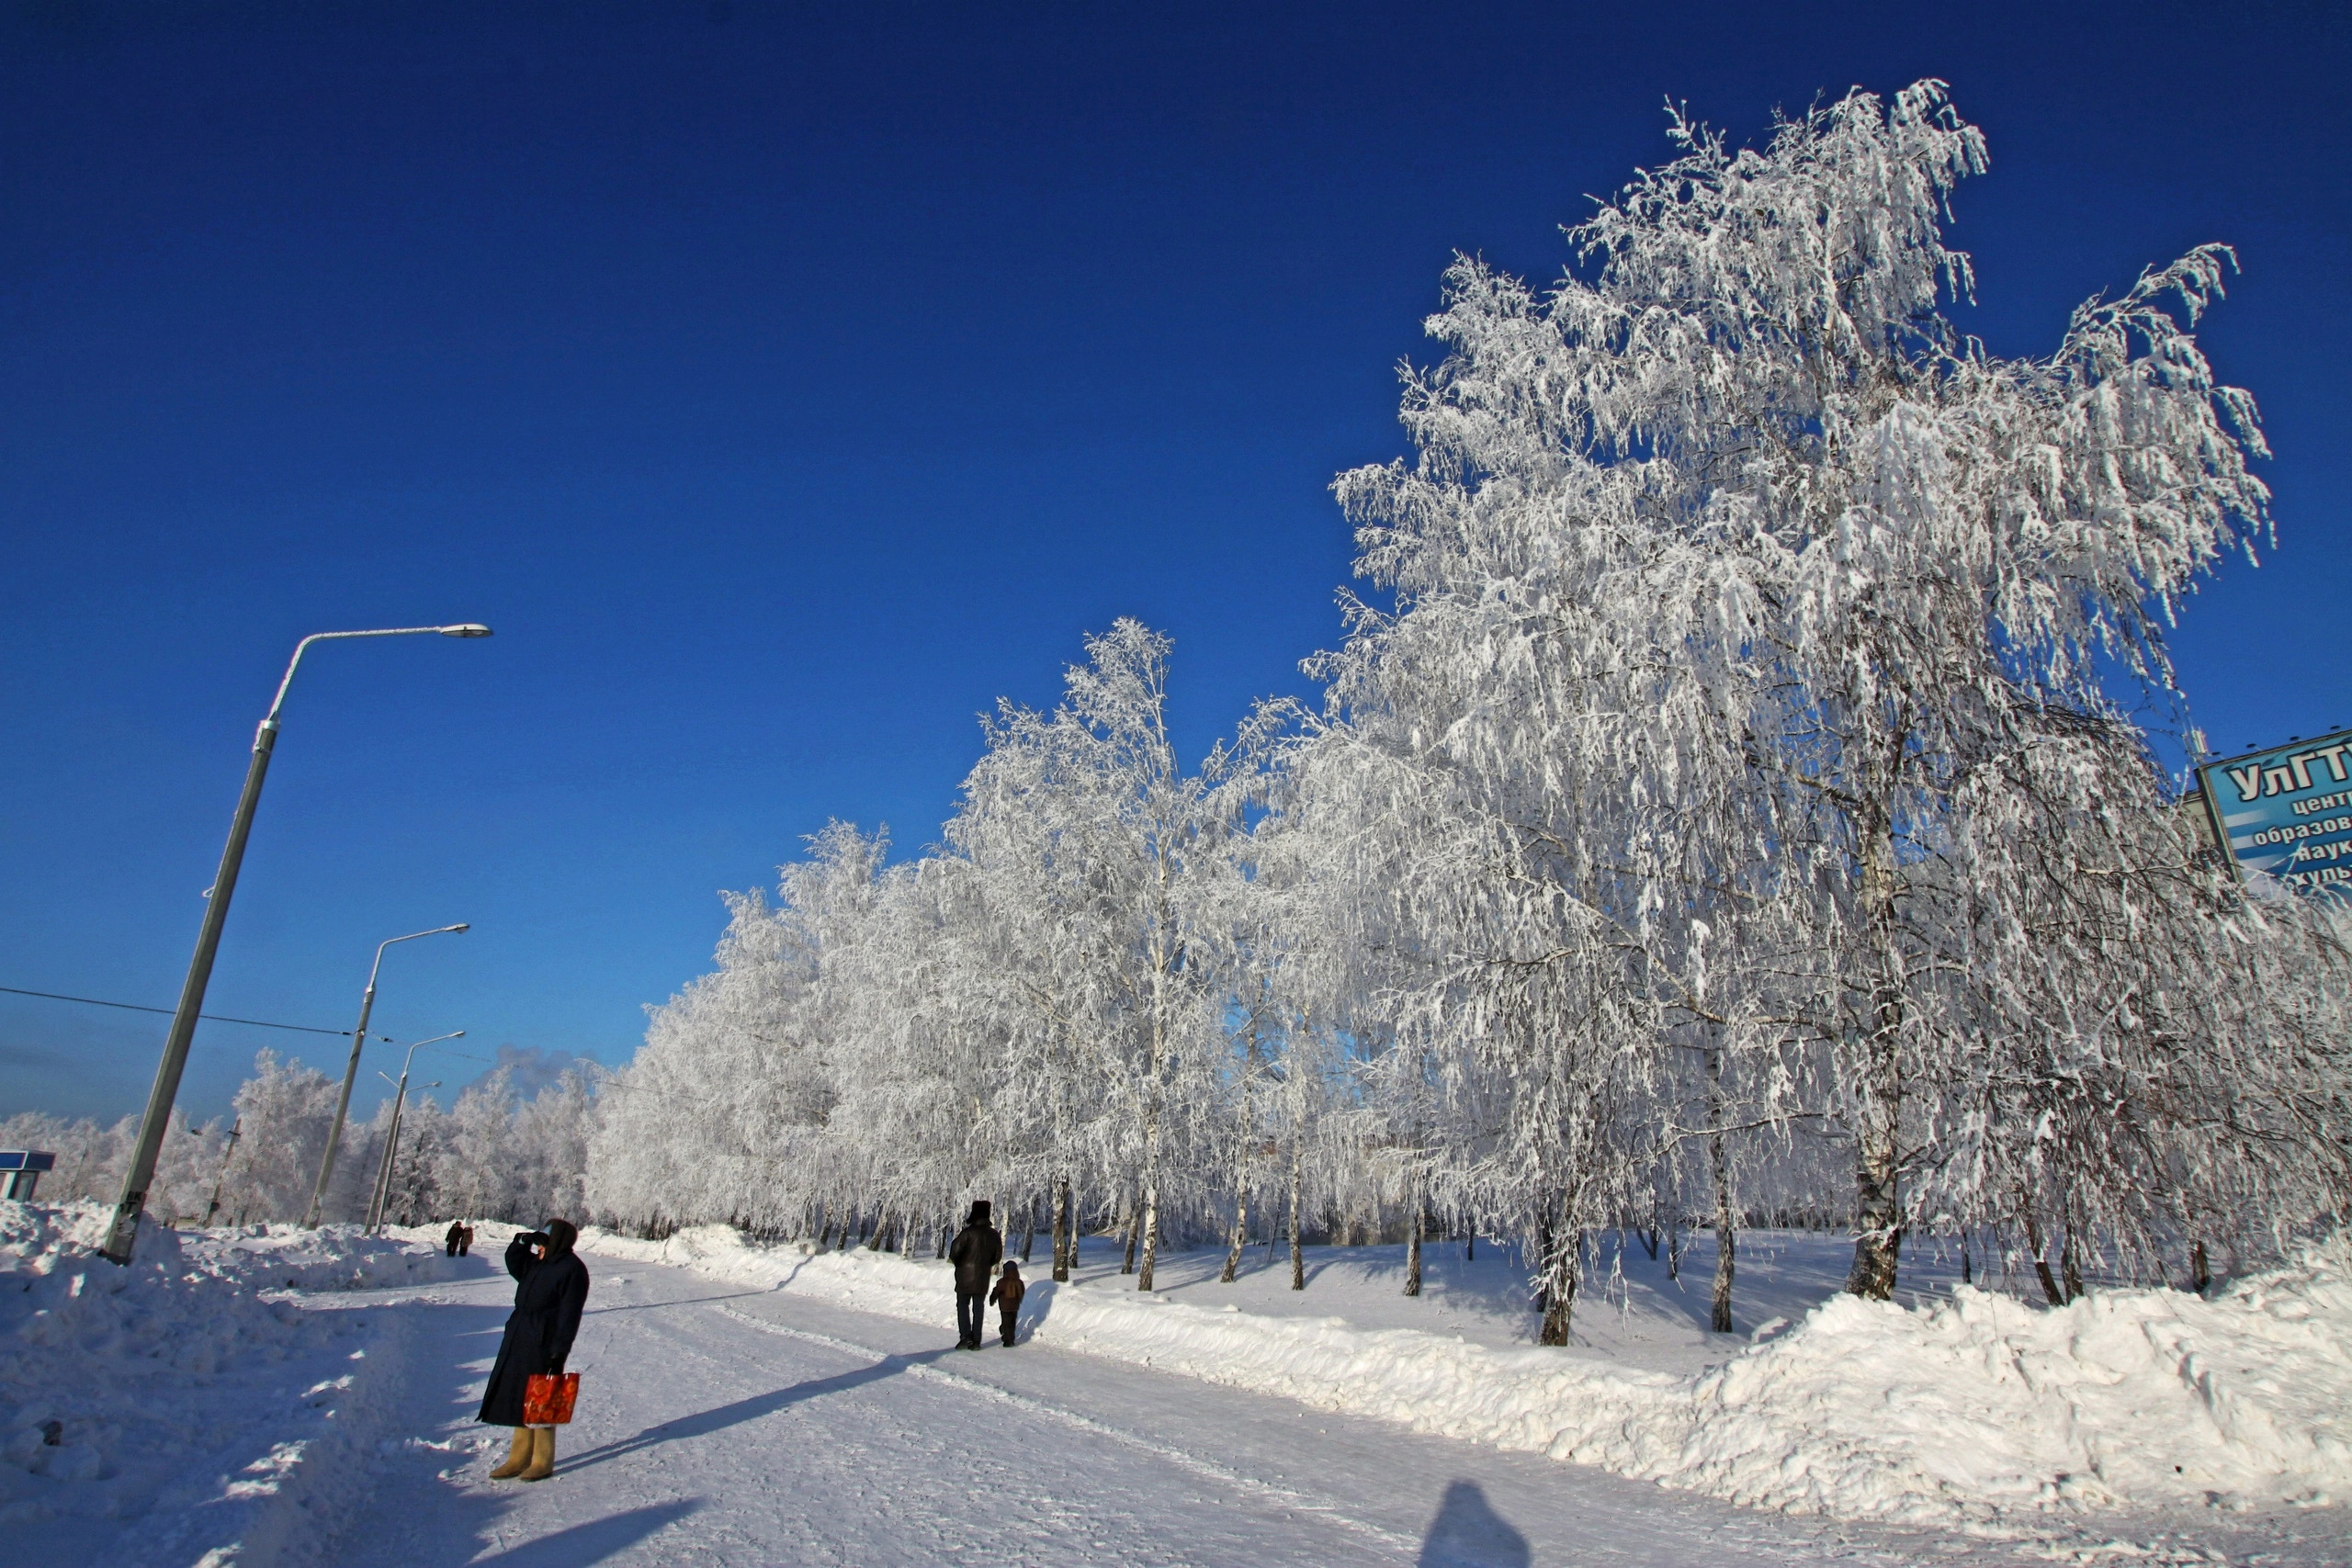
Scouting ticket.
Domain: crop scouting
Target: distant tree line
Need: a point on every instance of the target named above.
(493, 1155)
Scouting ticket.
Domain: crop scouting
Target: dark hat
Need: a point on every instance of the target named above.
(980, 1215)
(1012, 1268)
(560, 1235)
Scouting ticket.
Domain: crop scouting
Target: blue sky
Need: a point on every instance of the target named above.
(786, 384)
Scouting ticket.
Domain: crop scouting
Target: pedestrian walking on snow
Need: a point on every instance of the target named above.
(975, 1255)
(550, 1293)
(456, 1236)
(465, 1239)
(1007, 1297)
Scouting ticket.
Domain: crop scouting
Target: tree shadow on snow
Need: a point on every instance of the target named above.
(596, 1540)
(718, 1420)
(1468, 1533)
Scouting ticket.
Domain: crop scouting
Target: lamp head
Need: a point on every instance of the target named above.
(471, 628)
(460, 926)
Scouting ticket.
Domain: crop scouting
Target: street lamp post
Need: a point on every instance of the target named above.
(392, 1139)
(351, 1069)
(122, 1235)
(384, 1196)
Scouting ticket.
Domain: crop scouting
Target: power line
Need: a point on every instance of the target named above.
(214, 1017)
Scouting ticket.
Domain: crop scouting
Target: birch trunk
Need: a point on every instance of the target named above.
(1297, 1257)
(1242, 1175)
(1878, 1209)
(1719, 1310)
(1413, 1249)
(1558, 1295)
(1150, 1215)
(2051, 1291)
(1063, 1240)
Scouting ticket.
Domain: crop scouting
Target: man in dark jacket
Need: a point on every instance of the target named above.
(456, 1235)
(550, 1293)
(975, 1255)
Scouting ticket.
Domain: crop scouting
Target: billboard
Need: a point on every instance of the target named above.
(2287, 812)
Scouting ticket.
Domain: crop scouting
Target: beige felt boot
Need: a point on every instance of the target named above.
(542, 1454)
(517, 1457)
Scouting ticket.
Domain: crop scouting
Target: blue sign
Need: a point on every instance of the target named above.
(2287, 812)
(27, 1160)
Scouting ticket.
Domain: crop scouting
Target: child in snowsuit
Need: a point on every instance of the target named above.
(1007, 1295)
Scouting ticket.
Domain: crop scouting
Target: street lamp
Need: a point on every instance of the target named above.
(351, 1070)
(392, 1139)
(384, 1198)
(123, 1233)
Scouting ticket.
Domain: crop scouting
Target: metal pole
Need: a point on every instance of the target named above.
(391, 1149)
(236, 1131)
(392, 1139)
(122, 1233)
(351, 1070)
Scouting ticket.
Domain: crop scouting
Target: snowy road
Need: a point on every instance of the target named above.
(724, 1427)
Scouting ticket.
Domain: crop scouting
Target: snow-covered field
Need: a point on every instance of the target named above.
(279, 1397)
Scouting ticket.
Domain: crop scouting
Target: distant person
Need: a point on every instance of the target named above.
(975, 1254)
(1007, 1297)
(465, 1240)
(456, 1236)
(550, 1293)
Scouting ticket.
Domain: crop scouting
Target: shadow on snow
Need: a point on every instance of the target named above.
(598, 1538)
(1468, 1533)
(703, 1423)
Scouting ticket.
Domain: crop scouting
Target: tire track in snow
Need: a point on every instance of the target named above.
(1206, 1469)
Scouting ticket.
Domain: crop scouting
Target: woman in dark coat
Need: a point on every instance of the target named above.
(551, 1291)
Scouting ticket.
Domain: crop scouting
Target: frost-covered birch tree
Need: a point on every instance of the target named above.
(1090, 840)
(1749, 672)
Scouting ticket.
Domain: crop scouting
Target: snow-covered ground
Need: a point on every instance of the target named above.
(193, 1400)
(1968, 1409)
(753, 1406)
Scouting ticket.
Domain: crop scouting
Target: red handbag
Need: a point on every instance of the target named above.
(547, 1398)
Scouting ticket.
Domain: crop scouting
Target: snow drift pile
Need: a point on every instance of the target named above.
(1978, 1410)
(176, 1392)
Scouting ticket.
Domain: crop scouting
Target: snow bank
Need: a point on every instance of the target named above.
(185, 1408)
(333, 1257)
(1979, 1410)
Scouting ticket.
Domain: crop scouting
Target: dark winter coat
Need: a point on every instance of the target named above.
(1007, 1295)
(549, 1295)
(975, 1254)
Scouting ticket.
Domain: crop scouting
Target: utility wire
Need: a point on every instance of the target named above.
(214, 1017)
